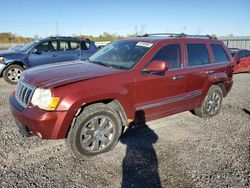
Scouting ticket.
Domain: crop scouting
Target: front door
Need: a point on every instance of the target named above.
(43, 53)
(161, 94)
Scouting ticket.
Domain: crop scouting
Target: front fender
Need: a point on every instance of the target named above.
(74, 96)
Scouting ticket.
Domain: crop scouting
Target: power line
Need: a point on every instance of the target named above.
(26, 22)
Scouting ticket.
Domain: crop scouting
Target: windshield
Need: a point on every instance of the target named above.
(121, 54)
(28, 46)
(16, 48)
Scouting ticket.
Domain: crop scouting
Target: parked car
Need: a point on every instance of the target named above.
(241, 60)
(43, 51)
(90, 102)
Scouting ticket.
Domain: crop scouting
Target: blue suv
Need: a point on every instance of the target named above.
(43, 51)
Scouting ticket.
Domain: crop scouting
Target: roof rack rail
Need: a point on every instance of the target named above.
(179, 35)
(65, 37)
(164, 34)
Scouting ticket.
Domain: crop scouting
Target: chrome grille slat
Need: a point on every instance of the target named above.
(19, 91)
(24, 93)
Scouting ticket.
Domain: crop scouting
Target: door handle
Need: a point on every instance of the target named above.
(178, 77)
(209, 72)
(54, 55)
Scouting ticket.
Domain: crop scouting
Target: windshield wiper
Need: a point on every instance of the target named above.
(100, 63)
(119, 67)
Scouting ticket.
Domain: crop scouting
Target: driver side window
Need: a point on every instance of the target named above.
(241, 54)
(170, 53)
(46, 47)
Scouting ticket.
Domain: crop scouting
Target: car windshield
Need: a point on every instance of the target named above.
(121, 54)
(16, 48)
(28, 46)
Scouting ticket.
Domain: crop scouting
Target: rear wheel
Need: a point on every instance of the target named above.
(12, 73)
(96, 130)
(211, 105)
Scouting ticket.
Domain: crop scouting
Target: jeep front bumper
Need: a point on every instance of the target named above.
(34, 121)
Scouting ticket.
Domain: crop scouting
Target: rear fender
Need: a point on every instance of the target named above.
(212, 79)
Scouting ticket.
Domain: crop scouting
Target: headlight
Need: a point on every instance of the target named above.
(44, 100)
(1, 59)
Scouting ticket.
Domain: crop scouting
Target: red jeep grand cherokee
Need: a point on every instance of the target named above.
(89, 102)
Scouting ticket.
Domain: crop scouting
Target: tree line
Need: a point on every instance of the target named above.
(8, 37)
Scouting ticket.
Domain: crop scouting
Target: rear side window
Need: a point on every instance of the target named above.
(64, 45)
(170, 53)
(74, 45)
(85, 45)
(197, 55)
(220, 55)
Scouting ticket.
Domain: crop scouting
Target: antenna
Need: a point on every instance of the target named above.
(57, 33)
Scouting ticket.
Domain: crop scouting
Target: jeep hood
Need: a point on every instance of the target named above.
(58, 74)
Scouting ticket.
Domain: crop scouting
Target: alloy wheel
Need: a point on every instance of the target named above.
(97, 133)
(14, 74)
(213, 103)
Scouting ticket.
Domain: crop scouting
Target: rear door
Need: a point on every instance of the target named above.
(198, 69)
(161, 94)
(65, 53)
(43, 53)
(88, 48)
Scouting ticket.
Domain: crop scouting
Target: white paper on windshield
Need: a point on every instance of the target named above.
(144, 44)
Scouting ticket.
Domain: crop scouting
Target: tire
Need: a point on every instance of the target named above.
(96, 130)
(211, 105)
(12, 73)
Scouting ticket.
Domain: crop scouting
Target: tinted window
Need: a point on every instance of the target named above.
(247, 53)
(53, 45)
(46, 47)
(64, 45)
(219, 53)
(170, 53)
(85, 45)
(75, 45)
(243, 53)
(240, 54)
(197, 54)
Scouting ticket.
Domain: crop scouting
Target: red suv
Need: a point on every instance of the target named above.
(241, 59)
(89, 102)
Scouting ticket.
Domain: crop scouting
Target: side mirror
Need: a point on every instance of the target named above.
(35, 51)
(156, 66)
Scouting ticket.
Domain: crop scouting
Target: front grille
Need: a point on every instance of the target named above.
(24, 93)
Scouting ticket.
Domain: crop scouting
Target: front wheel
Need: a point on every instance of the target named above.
(211, 105)
(97, 130)
(12, 73)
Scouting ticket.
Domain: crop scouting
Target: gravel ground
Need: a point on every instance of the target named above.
(177, 151)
